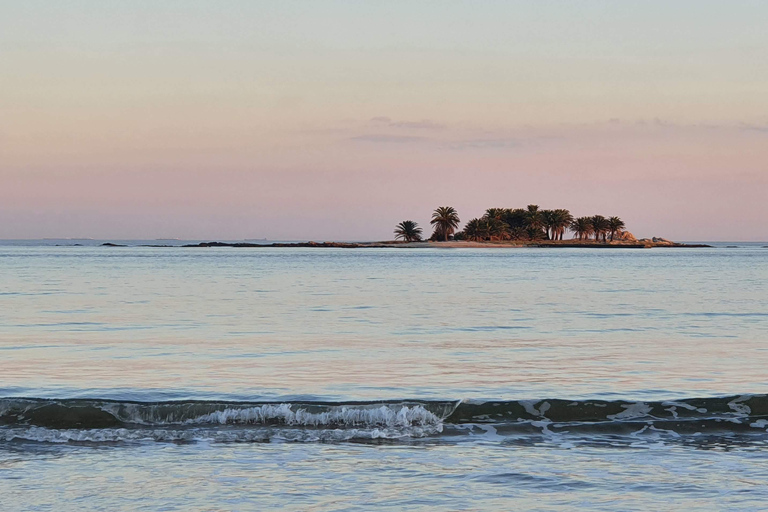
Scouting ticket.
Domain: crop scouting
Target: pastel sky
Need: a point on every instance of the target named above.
(337, 119)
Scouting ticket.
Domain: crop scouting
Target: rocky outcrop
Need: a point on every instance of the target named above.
(624, 236)
(657, 241)
(662, 242)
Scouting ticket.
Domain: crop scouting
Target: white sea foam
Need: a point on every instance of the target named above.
(674, 405)
(530, 407)
(380, 415)
(391, 416)
(631, 411)
(738, 407)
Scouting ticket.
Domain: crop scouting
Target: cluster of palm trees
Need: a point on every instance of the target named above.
(597, 226)
(445, 220)
(531, 223)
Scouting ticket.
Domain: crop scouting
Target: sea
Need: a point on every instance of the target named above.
(323, 379)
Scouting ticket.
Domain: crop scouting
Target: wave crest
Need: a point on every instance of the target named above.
(106, 421)
(101, 414)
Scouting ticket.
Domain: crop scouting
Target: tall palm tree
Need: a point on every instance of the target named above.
(408, 231)
(446, 220)
(582, 227)
(561, 221)
(600, 227)
(548, 222)
(615, 225)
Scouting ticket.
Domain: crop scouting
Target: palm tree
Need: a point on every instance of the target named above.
(517, 233)
(446, 220)
(496, 226)
(497, 229)
(548, 222)
(615, 225)
(600, 227)
(484, 229)
(582, 227)
(495, 213)
(408, 231)
(561, 221)
(472, 230)
(534, 221)
(534, 216)
(516, 221)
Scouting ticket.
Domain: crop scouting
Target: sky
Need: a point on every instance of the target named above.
(298, 120)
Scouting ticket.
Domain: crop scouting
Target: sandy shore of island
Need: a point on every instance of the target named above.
(640, 244)
(457, 245)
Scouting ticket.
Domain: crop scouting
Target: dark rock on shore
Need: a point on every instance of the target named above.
(299, 244)
(323, 244)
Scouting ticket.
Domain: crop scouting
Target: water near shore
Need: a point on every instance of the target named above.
(219, 378)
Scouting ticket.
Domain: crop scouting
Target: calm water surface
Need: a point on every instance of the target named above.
(142, 378)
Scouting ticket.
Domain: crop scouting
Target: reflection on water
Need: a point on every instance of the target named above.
(383, 323)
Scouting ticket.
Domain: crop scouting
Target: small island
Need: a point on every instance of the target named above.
(499, 227)
(530, 226)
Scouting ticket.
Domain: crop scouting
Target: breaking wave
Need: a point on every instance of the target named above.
(110, 421)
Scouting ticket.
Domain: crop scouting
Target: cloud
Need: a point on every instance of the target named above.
(387, 139)
(503, 143)
(424, 124)
(419, 125)
(385, 130)
(755, 128)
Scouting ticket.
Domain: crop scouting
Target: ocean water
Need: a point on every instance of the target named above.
(140, 378)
